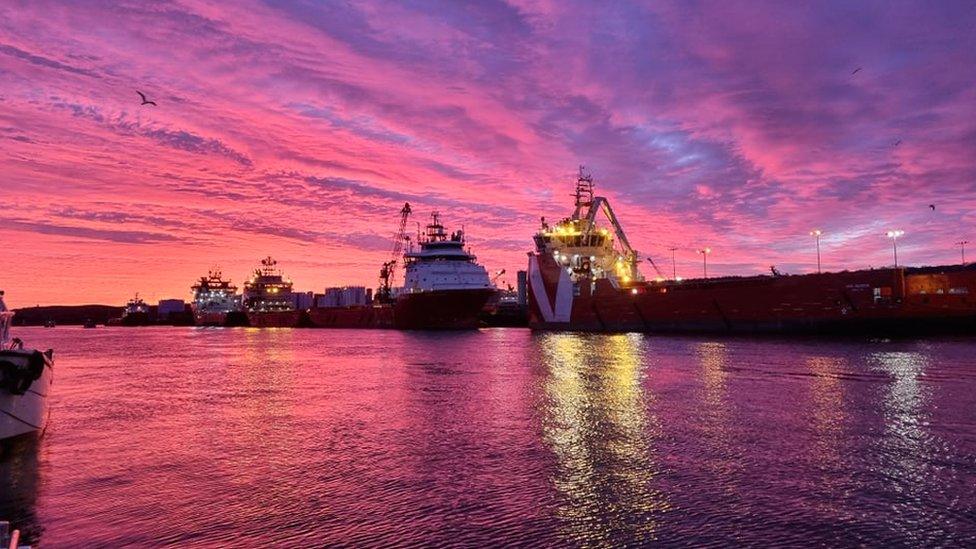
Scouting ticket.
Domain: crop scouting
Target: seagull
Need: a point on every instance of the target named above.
(932, 206)
(897, 143)
(144, 100)
(856, 71)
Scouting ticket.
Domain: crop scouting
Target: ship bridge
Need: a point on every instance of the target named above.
(442, 263)
(267, 289)
(435, 243)
(583, 247)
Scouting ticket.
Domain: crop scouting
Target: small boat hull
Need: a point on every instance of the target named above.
(25, 413)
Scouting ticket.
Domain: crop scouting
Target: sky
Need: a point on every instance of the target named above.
(299, 129)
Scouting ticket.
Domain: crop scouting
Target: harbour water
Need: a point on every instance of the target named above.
(207, 437)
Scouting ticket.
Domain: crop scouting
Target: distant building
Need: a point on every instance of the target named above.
(303, 300)
(345, 296)
(170, 306)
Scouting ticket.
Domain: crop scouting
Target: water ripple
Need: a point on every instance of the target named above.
(206, 438)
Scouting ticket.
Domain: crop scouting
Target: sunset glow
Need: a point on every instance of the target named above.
(299, 129)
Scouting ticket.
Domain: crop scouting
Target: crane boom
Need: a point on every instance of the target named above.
(388, 270)
(398, 238)
(659, 273)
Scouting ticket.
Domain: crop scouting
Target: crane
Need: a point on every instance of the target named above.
(659, 273)
(589, 206)
(498, 275)
(388, 270)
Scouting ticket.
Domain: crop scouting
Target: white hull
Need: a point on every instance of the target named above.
(26, 413)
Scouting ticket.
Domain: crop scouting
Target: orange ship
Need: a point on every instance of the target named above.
(584, 277)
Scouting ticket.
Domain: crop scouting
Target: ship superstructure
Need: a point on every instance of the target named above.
(583, 248)
(268, 298)
(582, 276)
(215, 300)
(442, 263)
(443, 287)
(135, 313)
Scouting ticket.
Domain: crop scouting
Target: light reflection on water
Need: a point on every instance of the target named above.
(596, 422)
(317, 437)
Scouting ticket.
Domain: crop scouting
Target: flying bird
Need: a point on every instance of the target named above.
(932, 206)
(897, 143)
(144, 100)
(857, 70)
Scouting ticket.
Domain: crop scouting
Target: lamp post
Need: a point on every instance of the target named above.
(893, 235)
(674, 265)
(816, 233)
(705, 252)
(962, 248)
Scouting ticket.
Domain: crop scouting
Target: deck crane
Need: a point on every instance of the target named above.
(589, 206)
(388, 270)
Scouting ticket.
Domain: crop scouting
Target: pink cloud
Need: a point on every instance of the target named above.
(299, 130)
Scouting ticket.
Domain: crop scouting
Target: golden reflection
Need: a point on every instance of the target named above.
(263, 367)
(905, 437)
(827, 404)
(712, 355)
(827, 416)
(598, 425)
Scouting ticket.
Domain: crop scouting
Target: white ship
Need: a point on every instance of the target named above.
(216, 301)
(444, 286)
(25, 382)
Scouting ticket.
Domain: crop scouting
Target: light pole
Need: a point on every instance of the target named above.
(705, 252)
(816, 233)
(893, 235)
(962, 248)
(674, 265)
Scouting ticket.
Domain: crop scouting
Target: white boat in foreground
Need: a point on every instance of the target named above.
(25, 382)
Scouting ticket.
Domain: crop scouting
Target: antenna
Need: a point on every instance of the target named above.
(584, 189)
(962, 248)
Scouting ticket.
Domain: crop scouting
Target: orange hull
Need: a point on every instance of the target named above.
(443, 310)
(275, 319)
(877, 301)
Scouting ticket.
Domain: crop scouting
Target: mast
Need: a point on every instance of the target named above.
(589, 206)
(584, 192)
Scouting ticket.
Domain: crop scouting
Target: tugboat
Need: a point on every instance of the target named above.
(216, 302)
(136, 313)
(268, 298)
(25, 382)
